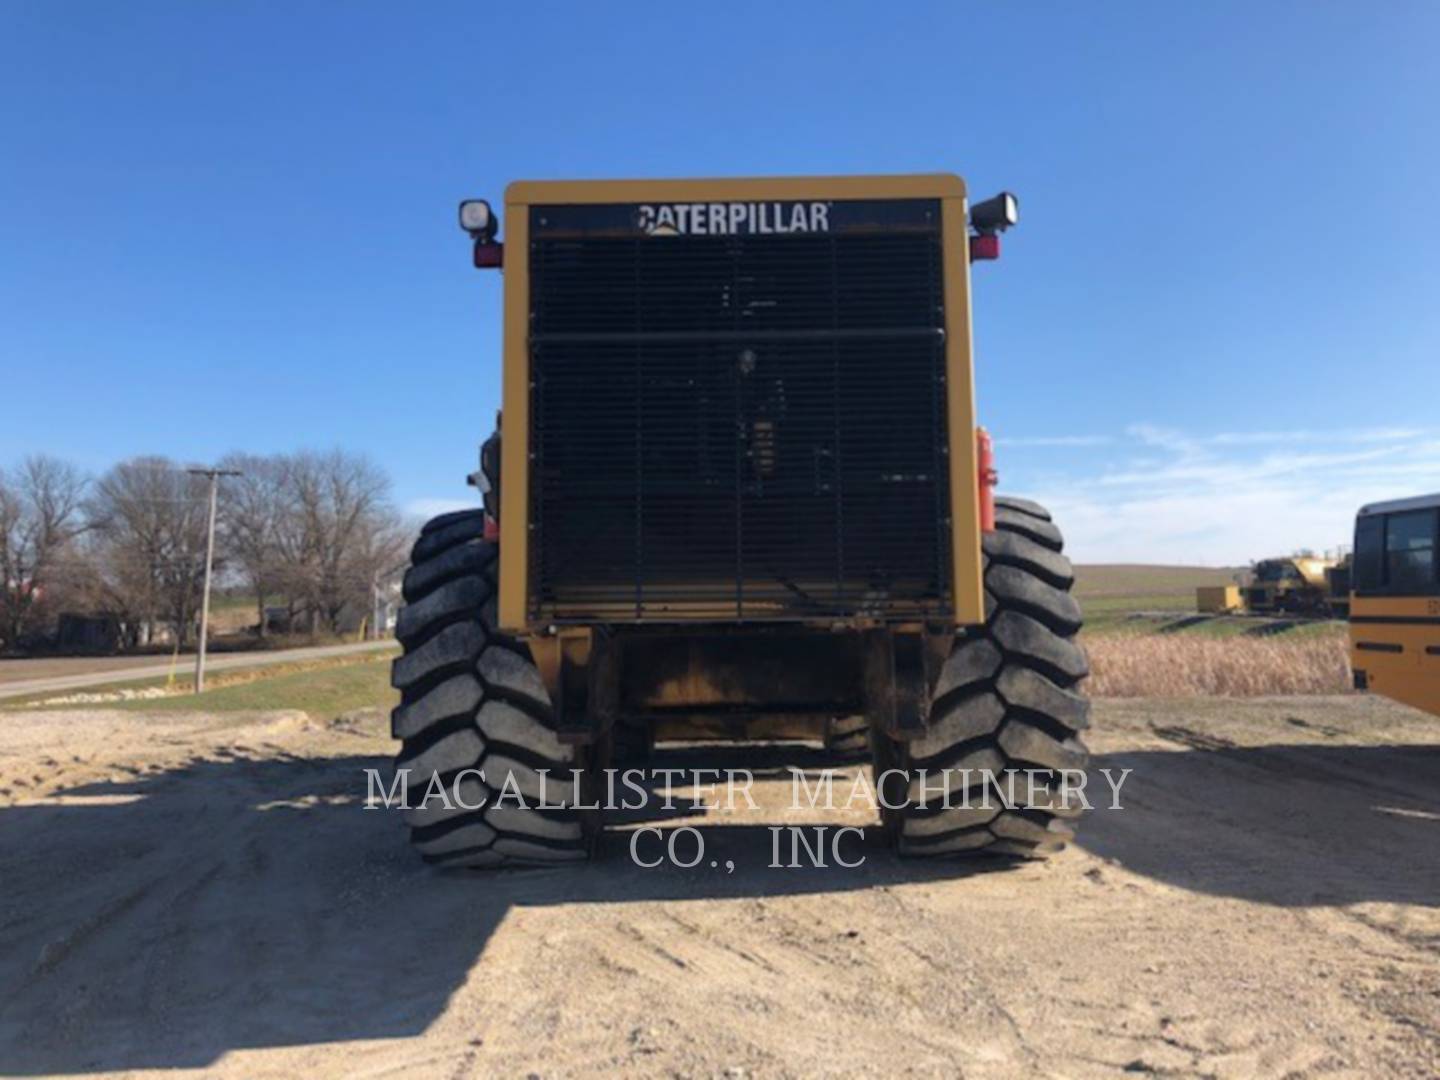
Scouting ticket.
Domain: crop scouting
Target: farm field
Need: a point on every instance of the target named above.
(1146, 599)
(1145, 639)
(1110, 588)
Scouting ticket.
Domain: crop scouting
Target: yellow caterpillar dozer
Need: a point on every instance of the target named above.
(1294, 585)
(1297, 585)
(738, 491)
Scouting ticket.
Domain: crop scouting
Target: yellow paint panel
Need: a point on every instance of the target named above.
(1218, 599)
(966, 565)
(515, 495)
(515, 433)
(926, 186)
(1400, 656)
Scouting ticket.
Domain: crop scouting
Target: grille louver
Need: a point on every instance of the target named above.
(738, 427)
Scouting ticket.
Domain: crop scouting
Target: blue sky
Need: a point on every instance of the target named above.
(1213, 335)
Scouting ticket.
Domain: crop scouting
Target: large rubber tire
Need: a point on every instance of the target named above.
(1006, 699)
(632, 743)
(847, 738)
(472, 698)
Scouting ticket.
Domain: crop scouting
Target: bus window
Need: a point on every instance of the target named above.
(1369, 559)
(1410, 552)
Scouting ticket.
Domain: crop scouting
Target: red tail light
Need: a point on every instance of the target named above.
(984, 247)
(489, 255)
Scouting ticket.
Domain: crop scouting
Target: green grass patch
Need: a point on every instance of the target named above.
(1110, 605)
(232, 601)
(1110, 594)
(1131, 581)
(1191, 624)
(322, 688)
(321, 691)
(1133, 600)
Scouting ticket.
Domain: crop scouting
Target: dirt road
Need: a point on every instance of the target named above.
(196, 893)
(26, 678)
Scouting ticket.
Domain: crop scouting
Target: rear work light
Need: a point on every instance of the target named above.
(477, 219)
(995, 214)
(989, 218)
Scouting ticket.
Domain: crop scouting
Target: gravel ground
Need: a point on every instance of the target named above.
(189, 892)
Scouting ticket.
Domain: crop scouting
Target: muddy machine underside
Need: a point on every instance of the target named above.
(739, 682)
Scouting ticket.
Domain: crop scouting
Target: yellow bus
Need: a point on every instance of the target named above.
(1395, 603)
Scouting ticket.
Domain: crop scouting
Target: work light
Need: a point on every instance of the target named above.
(995, 214)
(476, 219)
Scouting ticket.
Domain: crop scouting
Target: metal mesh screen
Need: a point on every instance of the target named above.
(738, 427)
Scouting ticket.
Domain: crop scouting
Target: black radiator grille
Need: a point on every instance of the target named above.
(738, 427)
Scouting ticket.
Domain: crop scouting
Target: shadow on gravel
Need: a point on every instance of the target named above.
(1291, 825)
(163, 920)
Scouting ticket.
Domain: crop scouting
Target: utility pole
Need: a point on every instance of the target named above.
(214, 475)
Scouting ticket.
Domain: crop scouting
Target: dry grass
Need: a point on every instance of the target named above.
(1188, 666)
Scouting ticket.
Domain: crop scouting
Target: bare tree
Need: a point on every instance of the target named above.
(252, 510)
(382, 556)
(40, 517)
(318, 529)
(337, 530)
(150, 516)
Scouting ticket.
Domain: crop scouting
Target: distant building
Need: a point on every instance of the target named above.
(88, 633)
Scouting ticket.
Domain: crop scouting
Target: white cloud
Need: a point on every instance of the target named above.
(1373, 435)
(1212, 471)
(1057, 440)
(1170, 496)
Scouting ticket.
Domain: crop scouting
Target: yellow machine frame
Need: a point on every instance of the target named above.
(949, 189)
(1219, 599)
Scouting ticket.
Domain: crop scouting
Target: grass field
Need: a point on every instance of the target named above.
(321, 691)
(1161, 599)
(1188, 624)
(322, 688)
(1108, 588)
